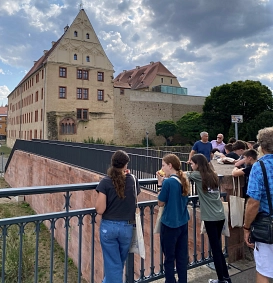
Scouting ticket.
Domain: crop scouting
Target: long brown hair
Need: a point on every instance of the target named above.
(175, 161)
(119, 159)
(209, 177)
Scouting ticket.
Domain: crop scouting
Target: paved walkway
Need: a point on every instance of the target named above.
(242, 271)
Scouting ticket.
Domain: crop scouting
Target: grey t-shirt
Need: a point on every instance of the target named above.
(117, 208)
(211, 206)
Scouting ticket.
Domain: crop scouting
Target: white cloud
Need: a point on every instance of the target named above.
(203, 44)
(267, 76)
(4, 92)
(2, 72)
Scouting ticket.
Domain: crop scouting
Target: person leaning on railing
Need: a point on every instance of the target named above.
(116, 203)
(211, 210)
(173, 195)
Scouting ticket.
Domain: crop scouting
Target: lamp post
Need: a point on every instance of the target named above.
(147, 141)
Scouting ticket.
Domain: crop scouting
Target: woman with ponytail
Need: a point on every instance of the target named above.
(116, 203)
(211, 210)
(173, 195)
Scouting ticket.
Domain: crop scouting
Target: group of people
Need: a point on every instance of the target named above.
(117, 198)
(245, 155)
(173, 196)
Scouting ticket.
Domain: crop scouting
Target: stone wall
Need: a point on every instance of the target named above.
(138, 111)
(26, 170)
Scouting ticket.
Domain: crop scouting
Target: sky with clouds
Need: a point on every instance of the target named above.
(205, 43)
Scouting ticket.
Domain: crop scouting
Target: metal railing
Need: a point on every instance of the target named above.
(147, 270)
(92, 157)
(134, 150)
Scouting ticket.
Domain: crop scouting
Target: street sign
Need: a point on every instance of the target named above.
(236, 118)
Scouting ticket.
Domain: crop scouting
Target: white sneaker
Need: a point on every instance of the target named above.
(216, 281)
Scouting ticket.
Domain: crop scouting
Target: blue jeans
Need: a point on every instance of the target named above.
(174, 243)
(115, 239)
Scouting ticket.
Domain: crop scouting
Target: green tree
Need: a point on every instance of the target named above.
(248, 131)
(190, 126)
(166, 129)
(247, 98)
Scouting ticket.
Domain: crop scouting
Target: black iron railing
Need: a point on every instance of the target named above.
(198, 254)
(93, 157)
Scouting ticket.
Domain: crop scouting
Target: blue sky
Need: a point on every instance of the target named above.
(203, 43)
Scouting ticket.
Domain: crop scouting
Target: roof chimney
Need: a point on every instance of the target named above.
(53, 42)
(152, 62)
(124, 71)
(66, 28)
(137, 67)
(45, 51)
(34, 62)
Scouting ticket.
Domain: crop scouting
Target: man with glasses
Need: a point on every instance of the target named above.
(218, 143)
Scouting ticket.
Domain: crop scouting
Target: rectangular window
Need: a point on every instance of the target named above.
(36, 96)
(37, 78)
(79, 93)
(100, 95)
(36, 116)
(85, 93)
(79, 74)
(100, 76)
(82, 93)
(62, 92)
(62, 72)
(42, 93)
(85, 75)
(82, 74)
(82, 114)
(122, 91)
(42, 74)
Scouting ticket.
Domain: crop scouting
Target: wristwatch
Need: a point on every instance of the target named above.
(246, 228)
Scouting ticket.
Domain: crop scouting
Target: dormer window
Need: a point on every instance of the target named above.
(87, 36)
(75, 57)
(87, 59)
(75, 34)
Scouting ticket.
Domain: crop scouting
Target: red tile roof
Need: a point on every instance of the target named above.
(141, 77)
(3, 111)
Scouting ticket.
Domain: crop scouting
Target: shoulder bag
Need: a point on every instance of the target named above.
(137, 244)
(262, 226)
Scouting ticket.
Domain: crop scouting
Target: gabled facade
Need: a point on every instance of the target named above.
(66, 92)
(152, 77)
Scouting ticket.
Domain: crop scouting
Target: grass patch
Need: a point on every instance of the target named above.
(11, 209)
(5, 150)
